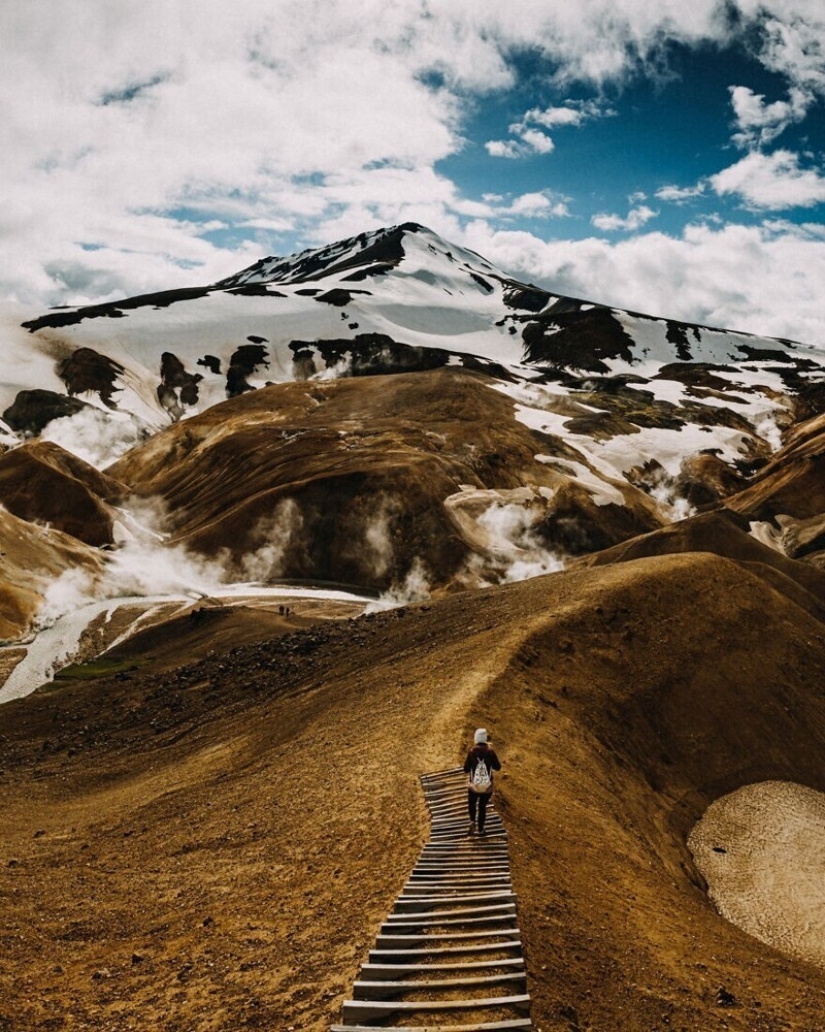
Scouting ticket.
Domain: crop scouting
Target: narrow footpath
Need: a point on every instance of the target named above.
(451, 949)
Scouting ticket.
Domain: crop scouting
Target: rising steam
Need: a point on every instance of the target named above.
(414, 588)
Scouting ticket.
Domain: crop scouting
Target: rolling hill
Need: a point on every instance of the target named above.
(292, 536)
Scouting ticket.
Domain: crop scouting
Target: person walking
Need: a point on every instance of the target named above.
(479, 766)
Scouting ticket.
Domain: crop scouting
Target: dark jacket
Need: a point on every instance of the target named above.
(482, 752)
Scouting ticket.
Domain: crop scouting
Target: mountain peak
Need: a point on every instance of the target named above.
(359, 257)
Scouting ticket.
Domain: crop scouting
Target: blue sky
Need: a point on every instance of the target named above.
(662, 157)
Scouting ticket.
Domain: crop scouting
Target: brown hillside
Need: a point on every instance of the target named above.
(176, 852)
(42, 482)
(722, 533)
(793, 482)
(352, 475)
(31, 557)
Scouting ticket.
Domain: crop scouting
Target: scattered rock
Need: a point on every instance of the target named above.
(725, 998)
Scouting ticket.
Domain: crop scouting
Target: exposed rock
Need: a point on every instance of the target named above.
(87, 370)
(245, 360)
(115, 309)
(32, 411)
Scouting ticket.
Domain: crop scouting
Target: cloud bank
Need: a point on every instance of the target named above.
(171, 142)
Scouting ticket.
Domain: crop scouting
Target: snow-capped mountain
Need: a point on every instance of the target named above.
(393, 300)
(518, 431)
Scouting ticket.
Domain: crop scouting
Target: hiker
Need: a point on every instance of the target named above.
(480, 763)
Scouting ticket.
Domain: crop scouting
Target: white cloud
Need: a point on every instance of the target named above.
(504, 149)
(760, 123)
(792, 39)
(536, 205)
(635, 219)
(764, 280)
(771, 181)
(529, 140)
(537, 141)
(527, 143)
(680, 194)
(131, 126)
(572, 113)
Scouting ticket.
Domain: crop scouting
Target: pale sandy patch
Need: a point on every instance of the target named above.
(761, 850)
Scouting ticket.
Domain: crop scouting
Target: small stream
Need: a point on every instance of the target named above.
(56, 646)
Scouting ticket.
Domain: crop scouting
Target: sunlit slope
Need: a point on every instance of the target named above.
(622, 699)
(356, 480)
(33, 558)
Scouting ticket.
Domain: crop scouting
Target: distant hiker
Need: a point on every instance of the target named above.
(480, 763)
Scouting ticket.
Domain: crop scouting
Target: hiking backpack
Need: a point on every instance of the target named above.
(480, 780)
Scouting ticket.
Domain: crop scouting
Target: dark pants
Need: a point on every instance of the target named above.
(477, 801)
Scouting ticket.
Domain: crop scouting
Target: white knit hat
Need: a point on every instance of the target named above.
(480, 737)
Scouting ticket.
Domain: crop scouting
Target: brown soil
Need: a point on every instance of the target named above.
(214, 847)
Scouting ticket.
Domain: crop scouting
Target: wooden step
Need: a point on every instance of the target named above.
(385, 990)
(511, 1025)
(359, 1010)
(401, 971)
(409, 927)
(405, 905)
(458, 869)
(475, 845)
(417, 889)
(516, 1025)
(457, 881)
(444, 951)
(455, 870)
(458, 914)
(387, 941)
(472, 863)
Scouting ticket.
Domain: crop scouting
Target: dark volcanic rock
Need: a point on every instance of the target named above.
(87, 370)
(255, 290)
(338, 296)
(677, 333)
(371, 354)
(211, 363)
(243, 363)
(524, 296)
(32, 411)
(177, 388)
(114, 309)
(577, 339)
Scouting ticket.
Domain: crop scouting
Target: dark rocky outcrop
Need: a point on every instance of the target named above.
(32, 411)
(114, 309)
(87, 370)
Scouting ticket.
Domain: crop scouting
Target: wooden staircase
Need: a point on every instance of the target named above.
(450, 950)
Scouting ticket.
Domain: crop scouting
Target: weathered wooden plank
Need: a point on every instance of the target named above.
(517, 1025)
(452, 915)
(390, 941)
(419, 927)
(511, 1025)
(403, 905)
(401, 971)
(445, 951)
(358, 1010)
(385, 990)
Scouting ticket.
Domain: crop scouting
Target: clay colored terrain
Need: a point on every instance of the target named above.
(214, 846)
